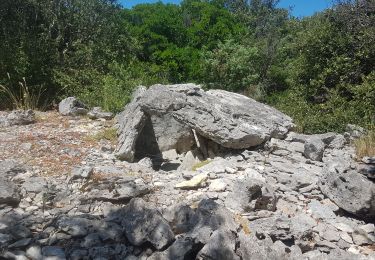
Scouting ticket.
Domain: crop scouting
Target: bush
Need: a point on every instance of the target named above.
(113, 90)
(332, 115)
(232, 67)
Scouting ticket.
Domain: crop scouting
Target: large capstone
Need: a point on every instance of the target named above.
(166, 117)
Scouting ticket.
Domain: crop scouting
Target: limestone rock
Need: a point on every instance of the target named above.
(197, 181)
(314, 149)
(355, 131)
(222, 245)
(251, 194)
(350, 191)
(18, 117)
(228, 119)
(72, 107)
(9, 193)
(189, 161)
(116, 189)
(180, 217)
(210, 216)
(97, 112)
(10, 168)
(53, 251)
(76, 227)
(217, 185)
(252, 248)
(82, 172)
(34, 184)
(34, 253)
(179, 250)
(144, 223)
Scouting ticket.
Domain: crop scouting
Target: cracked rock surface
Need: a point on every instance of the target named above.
(66, 195)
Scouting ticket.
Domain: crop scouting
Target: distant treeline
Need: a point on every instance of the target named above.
(320, 70)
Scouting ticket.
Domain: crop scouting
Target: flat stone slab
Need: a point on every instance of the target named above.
(228, 119)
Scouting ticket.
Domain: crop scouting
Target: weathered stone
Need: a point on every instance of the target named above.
(231, 120)
(368, 228)
(20, 243)
(34, 253)
(350, 191)
(209, 217)
(197, 181)
(355, 131)
(53, 251)
(5, 238)
(252, 248)
(19, 231)
(130, 125)
(35, 184)
(346, 237)
(321, 211)
(368, 160)
(360, 237)
(72, 107)
(253, 174)
(97, 112)
(217, 185)
(181, 249)
(146, 162)
(91, 240)
(82, 172)
(189, 161)
(116, 188)
(141, 134)
(251, 194)
(18, 117)
(343, 227)
(180, 217)
(277, 227)
(222, 245)
(144, 223)
(76, 227)
(10, 168)
(9, 193)
(314, 149)
(367, 169)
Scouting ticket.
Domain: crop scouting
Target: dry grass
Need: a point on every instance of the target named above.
(200, 164)
(244, 223)
(109, 134)
(24, 98)
(365, 146)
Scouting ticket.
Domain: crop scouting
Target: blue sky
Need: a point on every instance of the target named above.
(300, 7)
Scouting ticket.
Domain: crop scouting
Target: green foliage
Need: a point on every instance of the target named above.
(233, 67)
(319, 70)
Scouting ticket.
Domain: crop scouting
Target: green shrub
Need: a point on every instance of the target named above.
(232, 67)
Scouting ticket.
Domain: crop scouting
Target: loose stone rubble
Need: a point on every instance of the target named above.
(18, 117)
(66, 195)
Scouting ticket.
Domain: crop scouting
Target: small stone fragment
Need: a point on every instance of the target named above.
(197, 181)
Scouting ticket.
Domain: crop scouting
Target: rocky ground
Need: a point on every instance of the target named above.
(65, 195)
